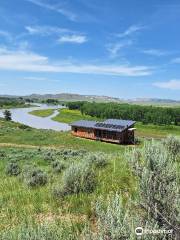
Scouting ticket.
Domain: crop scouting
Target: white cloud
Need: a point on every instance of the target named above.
(56, 8)
(132, 29)
(74, 38)
(175, 60)
(156, 52)
(32, 62)
(65, 35)
(173, 84)
(35, 78)
(114, 48)
(46, 30)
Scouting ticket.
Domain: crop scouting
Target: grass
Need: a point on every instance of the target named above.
(42, 113)
(14, 133)
(20, 203)
(24, 206)
(68, 116)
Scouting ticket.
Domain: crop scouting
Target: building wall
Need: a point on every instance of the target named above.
(124, 137)
(83, 132)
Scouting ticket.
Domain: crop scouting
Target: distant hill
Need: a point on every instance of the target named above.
(96, 98)
(73, 97)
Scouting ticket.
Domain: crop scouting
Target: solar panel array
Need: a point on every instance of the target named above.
(110, 126)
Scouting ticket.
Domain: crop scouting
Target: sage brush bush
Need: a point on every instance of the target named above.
(173, 145)
(34, 177)
(158, 185)
(41, 232)
(58, 166)
(77, 178)
(113, 220)
(13, 169)
(98, 159)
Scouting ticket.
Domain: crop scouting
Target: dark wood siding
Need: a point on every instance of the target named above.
(124, 137)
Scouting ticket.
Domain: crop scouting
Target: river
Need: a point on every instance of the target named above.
(21, 115)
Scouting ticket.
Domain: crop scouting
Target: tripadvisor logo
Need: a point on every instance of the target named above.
(139, 231)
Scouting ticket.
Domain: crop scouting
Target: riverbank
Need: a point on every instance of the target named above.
(21, 115)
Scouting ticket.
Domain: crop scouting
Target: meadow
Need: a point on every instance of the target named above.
(42, 113)
(56, 186)
(27, 147)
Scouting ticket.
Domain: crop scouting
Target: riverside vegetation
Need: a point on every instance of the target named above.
(54, 186)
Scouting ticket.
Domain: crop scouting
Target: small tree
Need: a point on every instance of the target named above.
(7, 115)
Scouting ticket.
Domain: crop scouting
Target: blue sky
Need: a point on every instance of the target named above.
(126, 49)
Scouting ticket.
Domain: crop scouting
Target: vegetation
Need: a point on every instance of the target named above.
(69, 116)
(51, 101)
(144, 114)
(77, 178)
(6, 102)
(158, 184)
(34, 177)
(42, 113)
(13, 169)
(55, 186)
(91, 201)
(7, 115)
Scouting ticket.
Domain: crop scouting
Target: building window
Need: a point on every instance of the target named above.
(75, 129)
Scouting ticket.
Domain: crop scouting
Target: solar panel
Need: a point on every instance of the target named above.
(111, 126)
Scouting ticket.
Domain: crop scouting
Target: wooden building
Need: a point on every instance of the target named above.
(110, 130)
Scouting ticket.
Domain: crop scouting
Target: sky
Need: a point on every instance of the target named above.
(126, 49)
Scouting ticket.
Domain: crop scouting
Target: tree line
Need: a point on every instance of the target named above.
(144, 114)
(11, 102)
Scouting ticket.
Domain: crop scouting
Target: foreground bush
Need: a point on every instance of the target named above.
(13, 169)
(58, 166)
(77, 178)
(41, 232)
(113, 221)
(173, 145)
(34, 177)
(158, 185)
(98, 160)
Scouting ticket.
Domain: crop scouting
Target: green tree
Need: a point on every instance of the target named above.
(7, 115)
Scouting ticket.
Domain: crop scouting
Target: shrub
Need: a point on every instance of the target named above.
(48, 156)
(34, 177)
(173, 145)
(98, 159)
(61, 231)
(158, 184)
(113, 221)
(13, 169)
(58, 166)
(77, 178)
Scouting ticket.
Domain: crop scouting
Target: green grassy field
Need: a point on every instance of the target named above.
(69, 116)
(14, 133)
(22, 205)
(26, 146)
(42, 113)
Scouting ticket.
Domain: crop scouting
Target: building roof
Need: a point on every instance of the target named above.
(116, 125)
(120, 122)
(84, 123)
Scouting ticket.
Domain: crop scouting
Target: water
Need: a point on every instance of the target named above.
(21, 115)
